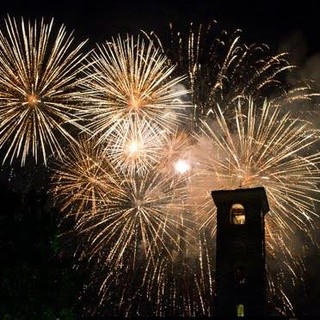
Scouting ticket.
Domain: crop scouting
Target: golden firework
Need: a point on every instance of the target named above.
(39, 78)
(131, 76)
(269, 148)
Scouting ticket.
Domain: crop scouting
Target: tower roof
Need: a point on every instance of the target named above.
(240, 195)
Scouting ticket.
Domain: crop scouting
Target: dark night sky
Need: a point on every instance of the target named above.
(280, 25)
(263, 21)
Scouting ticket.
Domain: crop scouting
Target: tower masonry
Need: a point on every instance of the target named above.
(240, 252)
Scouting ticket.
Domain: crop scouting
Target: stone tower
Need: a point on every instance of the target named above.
(240, 252)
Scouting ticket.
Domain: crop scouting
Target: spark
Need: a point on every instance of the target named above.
(130, 76)
(39, 78)
(115, 209)
(135, 145)
(182, 166)
(221, 68)
(267, 149)
(138, 217)
(262, 147)
(83, 180)
(145, 210)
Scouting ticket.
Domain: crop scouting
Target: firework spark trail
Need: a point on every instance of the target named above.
(39, 72)
(266, 149)
(262, 147)
(123, 218)
(221, 68)
(115, 209)
(129, 76)
(136, 145)
(140, 229)
(146, 209)
(83, 180)
(135, 109)
(130, 93)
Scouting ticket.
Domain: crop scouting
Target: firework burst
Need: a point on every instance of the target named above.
(121, 213)
(139, 187)
(38, 82)
(221, 68)
(83, 180)
(130, 76)
(135, 146)
(130, 223)
(262, 147)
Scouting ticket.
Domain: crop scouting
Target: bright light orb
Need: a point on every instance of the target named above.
(133, 148)
(32, 100)
(181, 166)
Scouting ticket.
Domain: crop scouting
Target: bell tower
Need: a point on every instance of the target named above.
(240, 252)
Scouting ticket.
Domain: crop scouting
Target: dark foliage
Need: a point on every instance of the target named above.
(38, 280)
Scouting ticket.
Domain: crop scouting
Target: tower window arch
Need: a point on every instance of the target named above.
(237, 214)
(240, 310)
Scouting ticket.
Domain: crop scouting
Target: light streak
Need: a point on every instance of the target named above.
(39, 78)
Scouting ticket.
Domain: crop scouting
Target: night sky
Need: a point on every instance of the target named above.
(294, 27)
(273, 22)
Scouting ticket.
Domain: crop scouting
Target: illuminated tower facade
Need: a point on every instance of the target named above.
(240, 252)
